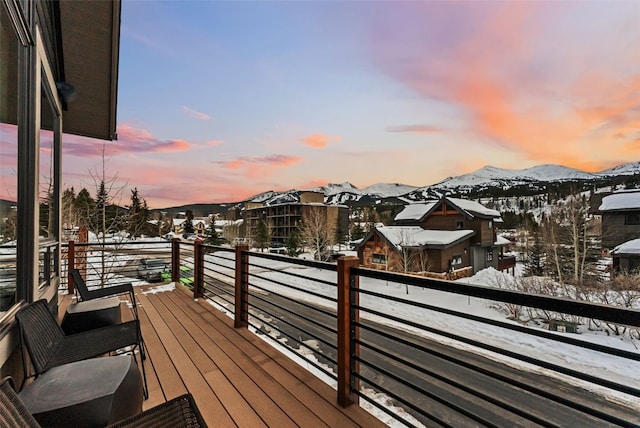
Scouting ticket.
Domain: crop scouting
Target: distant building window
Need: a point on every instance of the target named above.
(456, 260)
(459, 225)
(490, 224)
(490, 255)
(379, 259)
(632, 218)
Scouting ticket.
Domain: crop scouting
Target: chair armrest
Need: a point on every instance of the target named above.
(111, 290)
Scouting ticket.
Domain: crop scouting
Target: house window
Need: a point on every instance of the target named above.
(490, 255)
(490, 224)
(379, 259)
(632, 218)
(459, 225)
(456, 260)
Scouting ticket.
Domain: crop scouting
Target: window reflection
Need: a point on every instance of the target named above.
(8, 160)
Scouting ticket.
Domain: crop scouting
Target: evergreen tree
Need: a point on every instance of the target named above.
(69, 216)
(212, 236)
(358, 232)
(138, 214)
(534, 265)
(262, 235)
(188, 223)
(293, 244)
(85, 206)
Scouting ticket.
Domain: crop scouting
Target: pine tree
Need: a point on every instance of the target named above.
(188, 223)
(293, 244)
(85, 206)
(212, 236)
(138, 214)
(262, 235)
(534, 265)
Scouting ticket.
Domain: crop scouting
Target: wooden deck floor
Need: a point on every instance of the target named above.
(235, 377)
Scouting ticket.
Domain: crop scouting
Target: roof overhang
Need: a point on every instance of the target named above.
(90, 33)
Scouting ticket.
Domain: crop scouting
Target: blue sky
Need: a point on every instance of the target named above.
(222, 100)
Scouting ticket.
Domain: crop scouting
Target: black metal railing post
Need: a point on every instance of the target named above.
(242, 287)
(347, 333)
(175, 260)
(198, 270)
(71, 264)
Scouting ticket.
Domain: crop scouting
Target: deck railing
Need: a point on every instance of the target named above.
(367, 342)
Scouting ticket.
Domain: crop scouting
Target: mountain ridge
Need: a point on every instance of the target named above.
(489, 178)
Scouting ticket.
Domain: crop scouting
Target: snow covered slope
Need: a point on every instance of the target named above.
(484, 178)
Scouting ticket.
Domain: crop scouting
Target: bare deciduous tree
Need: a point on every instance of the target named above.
(315, 233)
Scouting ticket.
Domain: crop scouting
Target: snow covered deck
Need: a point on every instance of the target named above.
(235, 377)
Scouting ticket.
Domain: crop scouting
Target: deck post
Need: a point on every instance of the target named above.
(347, 332)
(242, 287)
(198, 270)
(71, 265)
(175, 260)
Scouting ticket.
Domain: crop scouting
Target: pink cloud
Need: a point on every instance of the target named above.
(259, 167)
(130, 140)
(195, 114)
(319, 140)
(516, 84)
(415, 129)
(214, 143)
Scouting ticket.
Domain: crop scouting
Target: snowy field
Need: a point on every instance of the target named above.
(595, 363)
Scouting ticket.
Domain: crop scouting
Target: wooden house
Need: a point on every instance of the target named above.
(449, 214)
(413, 249)
(620, 218)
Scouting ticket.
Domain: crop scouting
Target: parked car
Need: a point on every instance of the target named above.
(151, 269)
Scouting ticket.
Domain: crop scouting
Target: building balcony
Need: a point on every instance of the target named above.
(265, 339)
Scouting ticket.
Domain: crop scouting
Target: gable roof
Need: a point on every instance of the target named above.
(415, 211)
(472, 208)
(419, 211)
(620, 201)
(415, 236)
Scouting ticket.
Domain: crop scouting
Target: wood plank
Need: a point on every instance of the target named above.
(164, 370)
(314, 392)
(280, 373)
(213, 412)
(245, 382)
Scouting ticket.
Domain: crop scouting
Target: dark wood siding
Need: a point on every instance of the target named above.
(615, 231)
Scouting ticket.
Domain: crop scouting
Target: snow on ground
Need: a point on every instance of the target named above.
(170, 286)
(609, 367)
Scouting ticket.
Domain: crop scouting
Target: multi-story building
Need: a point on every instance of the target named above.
(285, 218)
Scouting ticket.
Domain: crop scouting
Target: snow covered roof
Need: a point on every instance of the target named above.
(415, 236)
(621, 201)
(415, 211)
(501, 240)
(473, 208)
(629, 247)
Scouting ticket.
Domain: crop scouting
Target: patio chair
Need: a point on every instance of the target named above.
(107, 291)
(48, 346)
(179, 412)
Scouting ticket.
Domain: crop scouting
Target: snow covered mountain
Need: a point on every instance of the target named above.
(626, 169)
(488, 177)
(491, 176)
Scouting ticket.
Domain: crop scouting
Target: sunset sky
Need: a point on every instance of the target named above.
(222, 100)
